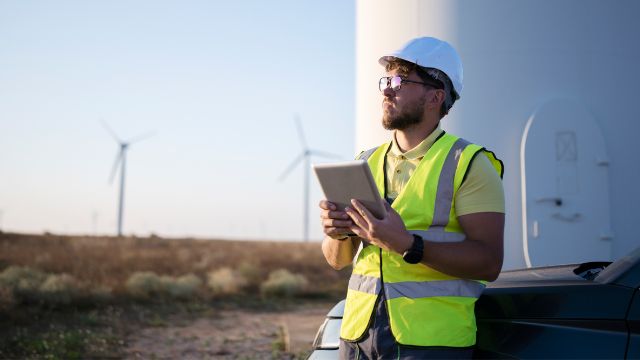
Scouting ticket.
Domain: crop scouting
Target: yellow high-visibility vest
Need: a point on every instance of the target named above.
(425, 307)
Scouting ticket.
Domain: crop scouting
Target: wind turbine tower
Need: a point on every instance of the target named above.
(305, 158)
(121, 160)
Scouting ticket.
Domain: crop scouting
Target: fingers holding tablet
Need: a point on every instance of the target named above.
(335, 223)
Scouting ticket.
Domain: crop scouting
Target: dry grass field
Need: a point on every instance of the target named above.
(104, 297)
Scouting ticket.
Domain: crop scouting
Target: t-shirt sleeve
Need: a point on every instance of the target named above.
(482, 189)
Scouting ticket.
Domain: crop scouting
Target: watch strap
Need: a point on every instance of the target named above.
(414, 254)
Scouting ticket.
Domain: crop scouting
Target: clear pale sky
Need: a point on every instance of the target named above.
(219, 82)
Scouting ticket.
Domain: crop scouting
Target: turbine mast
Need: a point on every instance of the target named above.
(122, 177)
(306, 197)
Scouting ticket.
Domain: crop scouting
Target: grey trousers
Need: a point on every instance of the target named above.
(379, 343)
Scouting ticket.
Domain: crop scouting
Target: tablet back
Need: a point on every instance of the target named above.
(348, 180)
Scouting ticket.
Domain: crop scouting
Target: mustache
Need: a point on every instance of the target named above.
(387, 100)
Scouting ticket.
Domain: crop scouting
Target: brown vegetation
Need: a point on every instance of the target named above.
(109, 262)
(73, 278)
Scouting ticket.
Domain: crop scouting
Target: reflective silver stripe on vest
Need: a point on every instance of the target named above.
(417, 289)
(365, 155)
(444, 194)
(437, 234)
(366, 284)
(423, 289)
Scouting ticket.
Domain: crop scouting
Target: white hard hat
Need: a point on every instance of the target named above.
(431, 53)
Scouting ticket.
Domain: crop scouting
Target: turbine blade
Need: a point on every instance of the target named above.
(141, 137)
(114, 169)
(303, 140)
(324, 154)
(110, 131)
(291, 166)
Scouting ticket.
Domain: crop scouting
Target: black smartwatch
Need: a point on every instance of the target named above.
(415, 252)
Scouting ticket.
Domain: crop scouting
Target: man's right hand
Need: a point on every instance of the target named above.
(335, 223)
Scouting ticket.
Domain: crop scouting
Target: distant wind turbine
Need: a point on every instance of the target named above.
(121, 159)
(305, 157)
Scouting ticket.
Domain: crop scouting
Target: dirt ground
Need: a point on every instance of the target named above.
(231, 334)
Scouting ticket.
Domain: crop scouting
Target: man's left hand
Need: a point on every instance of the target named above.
(388, 233)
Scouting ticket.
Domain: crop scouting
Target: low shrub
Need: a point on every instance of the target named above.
(22, 278)
(147, 285)
(24, 282)
(251, 273)
(283, 283)
(59, 289)
(144, 285)
(225, 281)
(31, 286)
(183, 287)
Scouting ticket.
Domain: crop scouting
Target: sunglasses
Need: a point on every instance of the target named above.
(395, 83)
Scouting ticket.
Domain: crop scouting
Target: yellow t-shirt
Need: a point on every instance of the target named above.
(481, 191)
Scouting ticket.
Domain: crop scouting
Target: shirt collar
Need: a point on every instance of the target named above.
(420, 150)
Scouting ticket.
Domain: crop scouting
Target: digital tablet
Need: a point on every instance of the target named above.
(348, 180)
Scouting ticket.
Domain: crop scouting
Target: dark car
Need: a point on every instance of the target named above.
(589, 310)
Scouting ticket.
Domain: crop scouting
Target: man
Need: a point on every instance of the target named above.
(420, 269)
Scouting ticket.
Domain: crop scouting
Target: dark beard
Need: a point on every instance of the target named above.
(407, 118)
